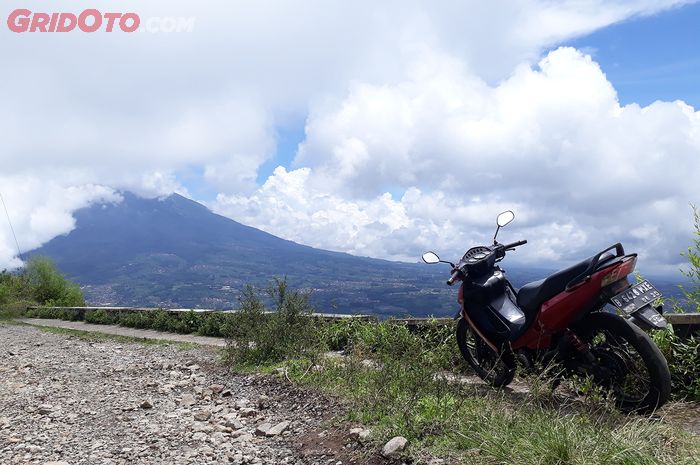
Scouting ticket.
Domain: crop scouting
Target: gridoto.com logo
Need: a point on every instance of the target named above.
(92, 20)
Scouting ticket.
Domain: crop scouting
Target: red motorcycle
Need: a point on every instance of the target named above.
(570, 320)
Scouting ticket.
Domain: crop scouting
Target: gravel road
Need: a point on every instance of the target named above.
(69, 401)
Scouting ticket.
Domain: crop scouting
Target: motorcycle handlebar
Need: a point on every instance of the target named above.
(515, 244)
(453, 278)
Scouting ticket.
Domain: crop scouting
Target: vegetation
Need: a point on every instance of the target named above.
(39, 283)
(683, 358)
(191, 322)
(692, 294)
(412, 384)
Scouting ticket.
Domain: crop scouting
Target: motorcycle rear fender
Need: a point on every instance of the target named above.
(649, 317)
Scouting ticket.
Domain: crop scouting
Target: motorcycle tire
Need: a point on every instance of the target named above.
(498, 370)
(616, 352)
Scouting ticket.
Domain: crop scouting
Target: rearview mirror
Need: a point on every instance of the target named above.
(431, 258)
(505, 218)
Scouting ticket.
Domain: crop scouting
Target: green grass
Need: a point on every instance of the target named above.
(100, 337)
(399, 394)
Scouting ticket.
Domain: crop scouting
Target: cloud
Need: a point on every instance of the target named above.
(41, 211)
(131, 111)
(552, 142)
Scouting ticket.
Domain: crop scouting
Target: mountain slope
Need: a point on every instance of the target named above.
(175, 252)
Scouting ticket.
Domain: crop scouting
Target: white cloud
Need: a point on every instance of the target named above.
(551, 142)
(396, 91)
(41, 211)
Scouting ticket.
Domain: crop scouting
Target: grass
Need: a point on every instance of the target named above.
(202, 324)
(100, 337)
(480, 425)
(387, 381)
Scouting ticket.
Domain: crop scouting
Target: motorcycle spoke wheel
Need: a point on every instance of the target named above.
(627, 363)
(622, 368)
(490, 366)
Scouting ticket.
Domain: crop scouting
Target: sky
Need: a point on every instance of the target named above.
(380, 129)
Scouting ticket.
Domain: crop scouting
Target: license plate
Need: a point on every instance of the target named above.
(636, 297)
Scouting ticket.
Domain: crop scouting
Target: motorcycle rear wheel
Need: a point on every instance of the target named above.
(495, 369)
(629, 363)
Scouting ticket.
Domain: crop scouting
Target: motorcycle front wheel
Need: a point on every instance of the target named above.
(627, 362)
(496, 369)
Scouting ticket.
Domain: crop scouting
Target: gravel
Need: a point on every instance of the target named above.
(70, 401)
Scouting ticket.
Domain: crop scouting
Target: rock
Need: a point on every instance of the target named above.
(263, 402)
(193, 367)
(245, 437)
(45, 409)
(243, 403)
(146, 404)
(233, 423)
(201, 427)
(60, 462)
(247, 412)
(263, 429)
(200, 436)
(371, 364)
(278, 429)
(216, 388)
(202, 415)
(226, 393)
(188, 400)
(218, 438)
(395, 447)
(359, 434)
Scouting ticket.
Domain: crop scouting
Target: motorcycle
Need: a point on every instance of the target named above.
(586, 321)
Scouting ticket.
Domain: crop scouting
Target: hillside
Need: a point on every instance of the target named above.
(174, 252)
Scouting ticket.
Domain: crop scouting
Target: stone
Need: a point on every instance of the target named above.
(247, 412)
(355, 433)
(60, 462)
(216, 388)
(263, 402)
(45, 409)
(263, 429)
(188, 400)
(200, 436)
(146, 405)
(233, 423)
(395, 447)
(202, 415)
(278, 429)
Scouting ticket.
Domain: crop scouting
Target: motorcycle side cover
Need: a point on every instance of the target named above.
(492, 308)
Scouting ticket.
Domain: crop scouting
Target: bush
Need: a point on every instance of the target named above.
(49, 287)
(683, 357)
(256, 337)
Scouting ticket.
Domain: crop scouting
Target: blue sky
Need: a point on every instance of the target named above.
(651, 58)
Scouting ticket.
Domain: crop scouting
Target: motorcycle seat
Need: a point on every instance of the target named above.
(534, 294)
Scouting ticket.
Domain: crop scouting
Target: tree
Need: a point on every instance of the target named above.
(49, 286)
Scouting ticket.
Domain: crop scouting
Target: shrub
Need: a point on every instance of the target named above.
(683, 357)
(49, 287)
(257, 337)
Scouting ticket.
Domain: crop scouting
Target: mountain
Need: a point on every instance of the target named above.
(176, 253)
